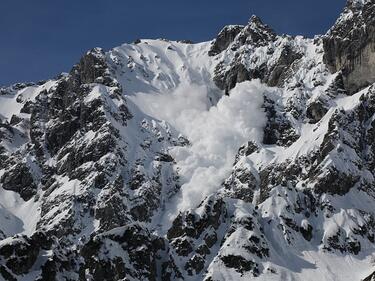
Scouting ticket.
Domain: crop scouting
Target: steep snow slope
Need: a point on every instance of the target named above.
(173, 81)
(247, 157)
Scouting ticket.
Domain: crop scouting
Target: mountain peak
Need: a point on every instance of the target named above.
(256, 22)
(160, 160)
(255, 19)
(255, 32)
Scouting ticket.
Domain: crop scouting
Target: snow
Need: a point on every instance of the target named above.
(176, 86)
(172, 83)
(168, 87)
(16, 215)
(9, 104)
(216, 133)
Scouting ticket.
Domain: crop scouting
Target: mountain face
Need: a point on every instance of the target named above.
(247, 157)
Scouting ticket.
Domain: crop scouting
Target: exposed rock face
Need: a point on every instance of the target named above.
(225, 38)
(255, 33)
(77, 171)
(139, 245)
(279, 129)
(90, 178)
(19, 179)
(21, 252)
(350, 45)
(243, 40)
(371, 277)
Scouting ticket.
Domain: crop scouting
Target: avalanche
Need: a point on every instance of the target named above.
(248, 157)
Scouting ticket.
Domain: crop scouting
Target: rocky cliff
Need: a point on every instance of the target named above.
(247, 157)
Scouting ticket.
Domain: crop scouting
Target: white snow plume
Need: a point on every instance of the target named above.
(215, 133)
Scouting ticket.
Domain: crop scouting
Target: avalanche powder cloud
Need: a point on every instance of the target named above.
(215, 133)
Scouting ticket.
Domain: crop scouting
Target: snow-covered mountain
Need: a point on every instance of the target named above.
(249, 157)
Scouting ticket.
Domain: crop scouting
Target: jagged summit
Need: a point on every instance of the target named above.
(255, 33)
(256, 24)
(247, 157)
(254, 19)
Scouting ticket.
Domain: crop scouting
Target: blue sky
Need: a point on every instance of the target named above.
(42, 38)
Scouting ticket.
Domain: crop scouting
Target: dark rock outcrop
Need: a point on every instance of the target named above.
(224, 39)
(349, 46)
(20, 180)
(139, 245)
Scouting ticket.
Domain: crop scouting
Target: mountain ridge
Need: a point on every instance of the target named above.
(246, 157)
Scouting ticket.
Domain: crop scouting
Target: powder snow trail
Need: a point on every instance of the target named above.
(215, 135)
